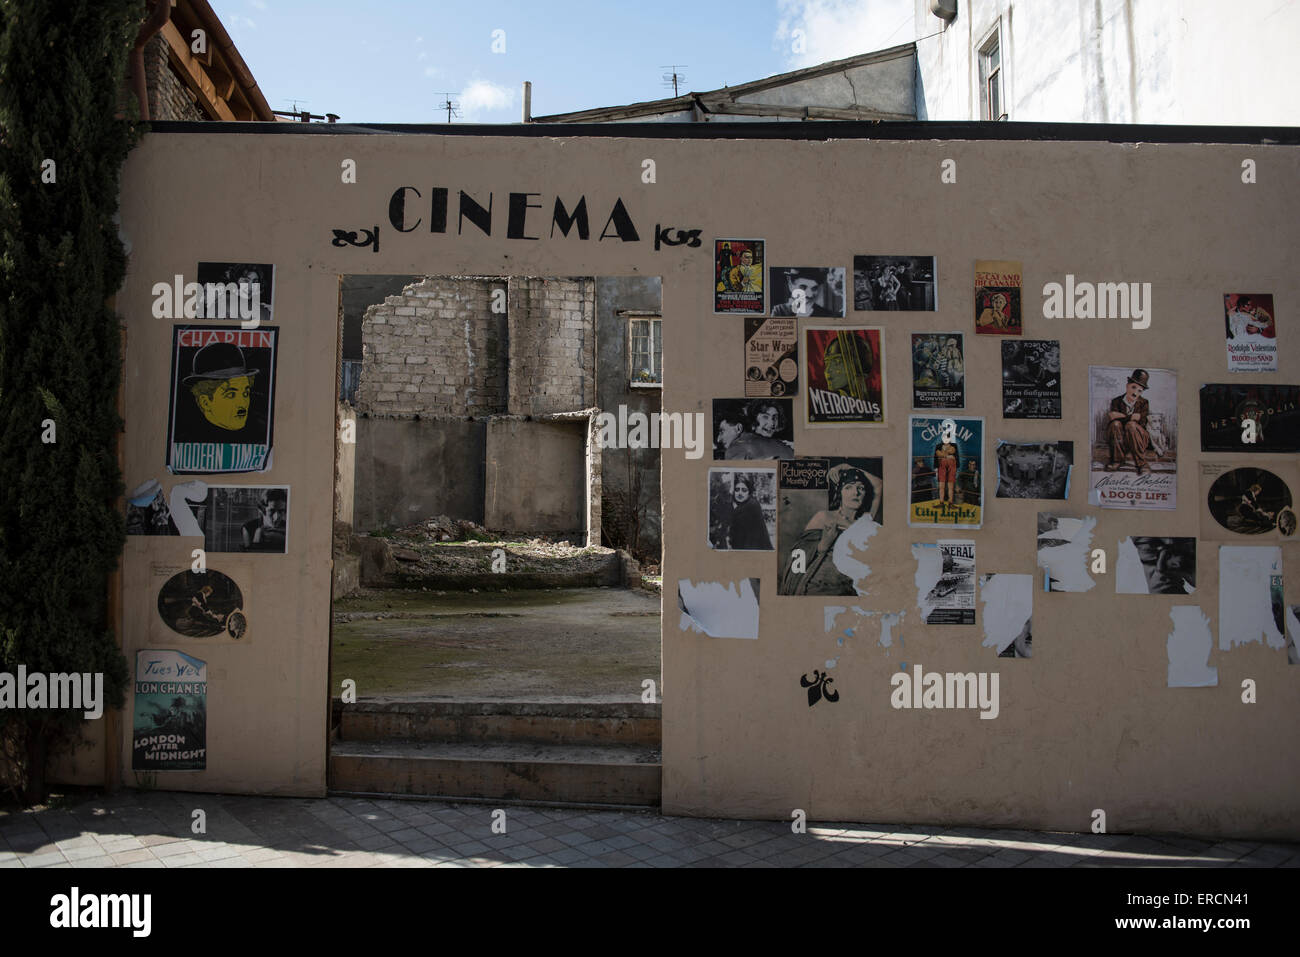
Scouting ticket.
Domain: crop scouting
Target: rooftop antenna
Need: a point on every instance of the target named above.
(452, 108)
(673, 78)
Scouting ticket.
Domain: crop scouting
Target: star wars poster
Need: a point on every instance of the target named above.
(771, 357)
(1031, 379)
(1251, 332)
(1034, 469)
(738, 266)
(828, 507)
(997, 298)
(222, 399)
(170, 727)
(1255, 501)
(1250, 418)
(938, 370)
(1133, 415)
(894, 283)
(742, 509)
(804, 291)
(845, 368)
(947, 456)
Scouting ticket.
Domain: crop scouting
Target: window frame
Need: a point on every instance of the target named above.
(654, 321)
(988, 75)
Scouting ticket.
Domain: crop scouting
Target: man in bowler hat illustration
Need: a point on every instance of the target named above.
(222, 385)
(1126, 426)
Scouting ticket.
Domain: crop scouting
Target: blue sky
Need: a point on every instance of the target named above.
(394, 61)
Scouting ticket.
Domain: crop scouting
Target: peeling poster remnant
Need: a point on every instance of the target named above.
(945, 582)
(1293, 635)
(1156, 566)
(1250, 595)
(1008, 606)
(717, 610)
(1188, 649)
(1064, 546)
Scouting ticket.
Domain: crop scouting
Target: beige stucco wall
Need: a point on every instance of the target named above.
(1087, 723)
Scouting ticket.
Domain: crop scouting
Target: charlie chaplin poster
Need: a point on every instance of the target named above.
(1133, 415)
(222, 399)
(845, 375)
(947, 484)
(170, 727)
(738, 266)
(803, 291)
(827, 506)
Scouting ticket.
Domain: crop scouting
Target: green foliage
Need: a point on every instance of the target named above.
(61, 83)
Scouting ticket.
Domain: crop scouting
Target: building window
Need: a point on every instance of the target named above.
(991, 99)
(645, 352)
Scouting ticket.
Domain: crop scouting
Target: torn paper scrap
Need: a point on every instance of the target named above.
(1293, 635)
(181, 497)
(717, 610)
(1008, 607)
(1064, 545)
(1188, 648)
(854, 538)
(1156, 566)
(1250, 595)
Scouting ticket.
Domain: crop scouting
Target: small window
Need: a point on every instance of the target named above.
(990, 57)
(645, 353)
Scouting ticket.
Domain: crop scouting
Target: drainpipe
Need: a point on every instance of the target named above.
(159, 15)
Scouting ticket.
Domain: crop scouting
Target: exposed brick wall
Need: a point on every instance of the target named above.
(552, 345)
(439, 349)
(169, 99)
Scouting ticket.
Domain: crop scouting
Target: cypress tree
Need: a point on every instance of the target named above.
(62, 66)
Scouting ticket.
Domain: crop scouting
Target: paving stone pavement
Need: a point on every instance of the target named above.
(153, 829)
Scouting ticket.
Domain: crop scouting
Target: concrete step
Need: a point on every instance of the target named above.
(505, 722)
(625, 775)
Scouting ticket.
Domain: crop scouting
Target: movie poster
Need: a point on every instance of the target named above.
(1031, 379)
(951, 599)
(753, 428)
(738, 276)
(1250, 418)
(1133, 415)
(1155, 566)
(771, 357)
(1251, 332)
(222, 399)
(828, 507)
(254, 287)
(997, 297)
(742, 509)
(938, 370)
(1249, 500)
(845, 368)
(245, 518)
(1034, 469)
(807, 291)
(947, 456)
(170, 729)
(894, 283)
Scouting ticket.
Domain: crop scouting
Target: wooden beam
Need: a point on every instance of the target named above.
(195, 74)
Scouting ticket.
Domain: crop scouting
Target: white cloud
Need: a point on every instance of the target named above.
(237, 21)
(835, 29)
(431, 71)
(484, 96)
(257, 4)
(423, 55)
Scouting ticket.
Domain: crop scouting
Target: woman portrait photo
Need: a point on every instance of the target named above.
(852, 493)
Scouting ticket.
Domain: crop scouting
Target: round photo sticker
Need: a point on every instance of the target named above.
(201, 605)
(1251, 501)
